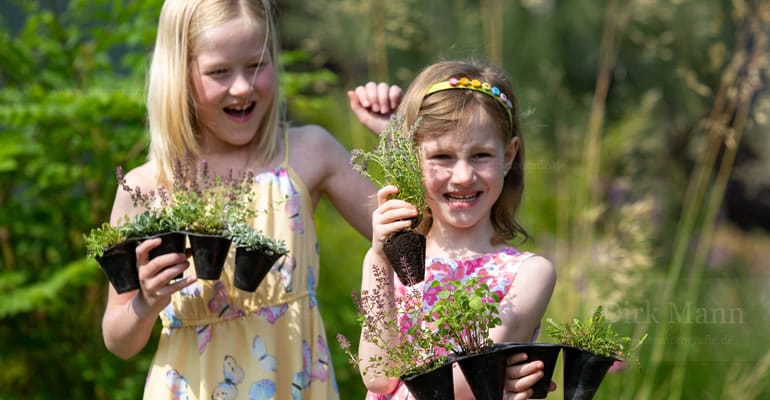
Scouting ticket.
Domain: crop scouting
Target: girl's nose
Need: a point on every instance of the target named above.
(241, 85)
(462, 172)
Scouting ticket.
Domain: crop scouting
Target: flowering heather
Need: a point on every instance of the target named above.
(395, 325)
(207, 204)
(196, 202)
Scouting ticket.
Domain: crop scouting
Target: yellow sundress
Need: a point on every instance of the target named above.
(219, 342)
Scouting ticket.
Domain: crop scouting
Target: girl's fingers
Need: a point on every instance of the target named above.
(383, 97)
(384, 194)
(370, 94)
(394, 96)
(521, 376)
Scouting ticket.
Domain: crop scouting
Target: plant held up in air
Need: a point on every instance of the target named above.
(595, 335)
(396, 161)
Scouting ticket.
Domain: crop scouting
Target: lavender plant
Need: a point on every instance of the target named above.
(397, 159)
(202, 203)
(197, 202)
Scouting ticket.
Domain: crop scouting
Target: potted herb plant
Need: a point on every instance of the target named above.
(590, 348)
(116, 256)
(465, 312)
(154, 221)
(203, 205)
(255, 254)
(396, 161)
(413, 350)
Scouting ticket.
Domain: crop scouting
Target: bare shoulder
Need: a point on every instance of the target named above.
(142, 176)
(307, 138)
(539, 266)
(316, 156)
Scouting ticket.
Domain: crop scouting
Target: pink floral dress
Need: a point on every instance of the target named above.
(498, 270)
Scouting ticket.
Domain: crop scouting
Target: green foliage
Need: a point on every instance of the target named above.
(595, 335)
(465, 312)
(398, 159)
(102, 238)
(244, 235)
(149, 223)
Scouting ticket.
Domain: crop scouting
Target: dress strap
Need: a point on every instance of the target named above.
(285, 163)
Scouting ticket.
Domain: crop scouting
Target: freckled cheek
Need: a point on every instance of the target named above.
(435, 177)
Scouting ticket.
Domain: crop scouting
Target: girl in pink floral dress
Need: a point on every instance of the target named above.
(472, 161)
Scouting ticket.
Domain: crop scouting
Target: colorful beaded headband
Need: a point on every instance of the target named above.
(477, 85)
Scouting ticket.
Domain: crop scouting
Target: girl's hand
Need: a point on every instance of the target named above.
(155, 277)
(373, 103)
(390, 216)
(520, 377)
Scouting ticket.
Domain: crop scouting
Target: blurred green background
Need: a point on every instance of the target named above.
(647, 184)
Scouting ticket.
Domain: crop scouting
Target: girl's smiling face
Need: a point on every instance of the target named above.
(464, 171)
(233, 81)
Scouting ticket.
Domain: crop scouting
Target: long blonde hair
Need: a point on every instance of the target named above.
(170, 102)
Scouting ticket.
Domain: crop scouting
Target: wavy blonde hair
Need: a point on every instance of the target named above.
(171, 112)
(448, 110)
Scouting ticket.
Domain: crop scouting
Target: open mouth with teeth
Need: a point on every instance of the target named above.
(467, 197)
(240, 111)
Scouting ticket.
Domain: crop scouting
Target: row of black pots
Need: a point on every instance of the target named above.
(209, 253)
(485, 372)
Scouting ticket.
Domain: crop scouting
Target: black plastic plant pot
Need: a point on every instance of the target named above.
(548, 353)
(406, 252)
(119, 265)
(171, 242)
(434, 384)
(485, 372)
(583, 373)
(209, 253)
(251, 267)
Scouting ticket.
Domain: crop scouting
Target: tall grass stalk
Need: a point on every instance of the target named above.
(585, 207)
(492, 13)
(725, 125)
(378, 54)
